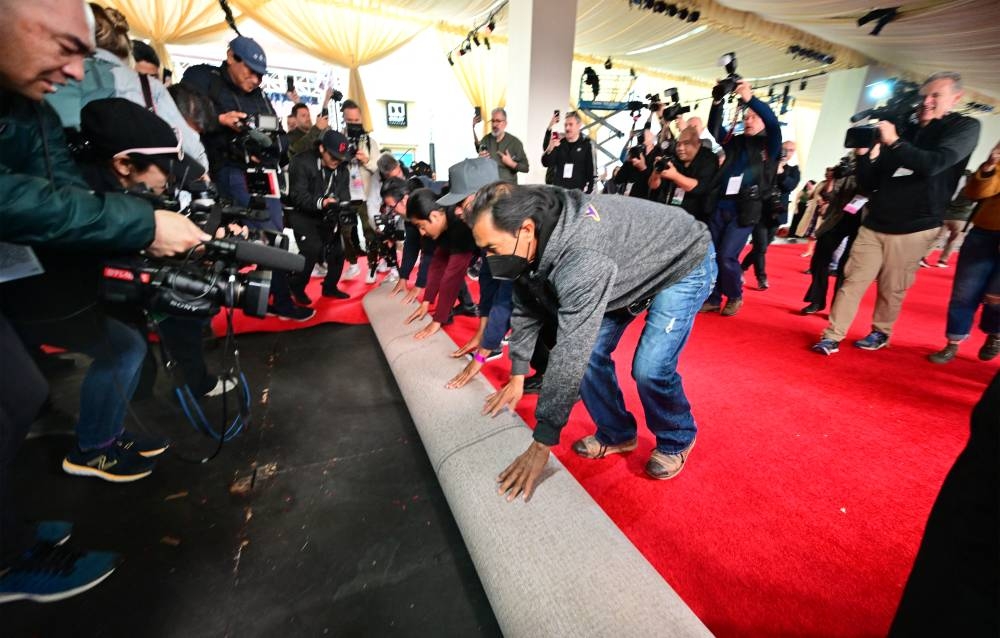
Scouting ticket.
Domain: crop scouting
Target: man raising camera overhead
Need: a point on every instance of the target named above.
(911, 180)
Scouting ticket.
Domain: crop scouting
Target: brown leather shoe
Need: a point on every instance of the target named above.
(708, 306)
(732, 307)
(662, 466)
(944, 355)
(590, 448)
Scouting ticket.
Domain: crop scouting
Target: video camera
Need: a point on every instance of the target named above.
(728, 84)
(901, 109)
(257, 138)
(199, 286)
(845, 167)
(340, 214)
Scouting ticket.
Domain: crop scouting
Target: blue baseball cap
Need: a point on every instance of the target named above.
(250, 52)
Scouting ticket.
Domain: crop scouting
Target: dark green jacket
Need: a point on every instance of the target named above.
(43, 198)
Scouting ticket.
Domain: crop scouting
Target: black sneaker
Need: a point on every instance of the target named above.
(112, 464)
(46, 574)
(811, 309)
(145, 444)
(470, 310)
(294, 313)
(301, 298)
(762, 283)
(533, 384)
(990, 349)
(336, 293)
(53, 533)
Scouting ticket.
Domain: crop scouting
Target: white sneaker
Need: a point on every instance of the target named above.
(225, 383)
(352, 272)
(318, 271)
(382, 266)
(393, 275)
(370, 278)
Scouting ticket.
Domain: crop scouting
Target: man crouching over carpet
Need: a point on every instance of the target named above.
(592, 264)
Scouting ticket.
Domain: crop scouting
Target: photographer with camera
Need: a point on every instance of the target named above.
(47, 204)
(688, 180)
(503, 148)
(744, 179)
(775, 214)
(910, 180)
(305, 134)
(638, 165)
(362, 163)
(571, 157)
(318, 190)
(246, 141)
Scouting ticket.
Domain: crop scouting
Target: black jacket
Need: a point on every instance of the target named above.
(699, 201)
(580, 156)
(912, 183)
(785, 183)
(639, 181)
(310, 182)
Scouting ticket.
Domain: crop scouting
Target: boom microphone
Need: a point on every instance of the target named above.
(247, 252)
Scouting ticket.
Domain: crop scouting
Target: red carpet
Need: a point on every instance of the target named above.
(806, 495)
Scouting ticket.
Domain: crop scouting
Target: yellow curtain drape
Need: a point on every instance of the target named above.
(163, 23)
(343, 35)
(482, 74)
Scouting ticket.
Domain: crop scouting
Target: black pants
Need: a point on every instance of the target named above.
(543, 345)
(800, 210)
(826, 246)
(317, 242)
(183, 339)
(954, 585)
(762, 236)
(22, 392)
(352, 242)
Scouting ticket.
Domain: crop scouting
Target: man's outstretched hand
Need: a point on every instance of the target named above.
(521, 476)
(505, 397)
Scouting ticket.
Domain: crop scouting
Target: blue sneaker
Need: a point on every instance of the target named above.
(53, 533)
(874, 341)
(112, 463)
(827, 347)
(46, 574)
(145, 444)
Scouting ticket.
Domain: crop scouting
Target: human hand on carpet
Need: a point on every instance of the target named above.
(419, 313)
(505, 397)
(427, 330)
(521, 476)
(412, 295)
(469, 346)
(398, 288)
(470, 370)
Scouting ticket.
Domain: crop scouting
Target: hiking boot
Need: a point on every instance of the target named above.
(944, 355)
(827, 347)
(732, 307)
(46, 574)
(875, 340)
(590, 448)
(710, 306)
(990, 349)
(811, 309)
(112, 464)
(663, 466)
(146, 445)
(533, 384)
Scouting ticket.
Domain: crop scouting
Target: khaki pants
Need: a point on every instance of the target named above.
(893, 260)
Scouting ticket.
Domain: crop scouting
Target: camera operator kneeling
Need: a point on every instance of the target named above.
(61, 307)
(319, 185)
(686, 181)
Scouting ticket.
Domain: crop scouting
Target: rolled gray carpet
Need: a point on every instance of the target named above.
(556, 566)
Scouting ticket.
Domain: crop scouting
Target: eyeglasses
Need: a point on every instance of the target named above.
(498, 121)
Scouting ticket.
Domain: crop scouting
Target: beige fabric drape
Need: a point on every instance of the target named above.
(347, 34)
(176, 22)
(482, 74)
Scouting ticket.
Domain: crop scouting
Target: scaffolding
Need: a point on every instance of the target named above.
(609, 95)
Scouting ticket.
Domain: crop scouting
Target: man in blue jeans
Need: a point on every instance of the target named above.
(591, 264)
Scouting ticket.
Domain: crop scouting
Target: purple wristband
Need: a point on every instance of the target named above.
(478, 357)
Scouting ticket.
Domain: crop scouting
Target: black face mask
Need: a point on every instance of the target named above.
(508, 267)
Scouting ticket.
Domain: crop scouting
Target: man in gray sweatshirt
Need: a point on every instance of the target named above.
(591, 264)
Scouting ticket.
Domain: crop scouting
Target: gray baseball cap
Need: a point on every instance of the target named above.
(467, 177)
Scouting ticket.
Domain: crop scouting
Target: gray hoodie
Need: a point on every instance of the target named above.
(603, 252)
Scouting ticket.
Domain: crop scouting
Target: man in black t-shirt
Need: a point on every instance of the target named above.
(688, 181)
(571, 157)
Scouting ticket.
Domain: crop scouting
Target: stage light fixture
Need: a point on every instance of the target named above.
(450, 61)
(694, 15)
(672, 10)
(607, 63)
(475, 38)
(802, 85)
(881, 17)
(682, 14)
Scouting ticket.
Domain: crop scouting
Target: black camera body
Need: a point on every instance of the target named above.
(356, 136)
(844, 168)
(388, 227)
(728, 84)
(901, 109)
(340, 214)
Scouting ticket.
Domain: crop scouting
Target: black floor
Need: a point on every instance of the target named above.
(342, 531)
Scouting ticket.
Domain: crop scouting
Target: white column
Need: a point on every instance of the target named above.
(541, 58)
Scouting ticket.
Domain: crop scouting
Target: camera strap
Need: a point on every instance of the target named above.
(147, 93)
